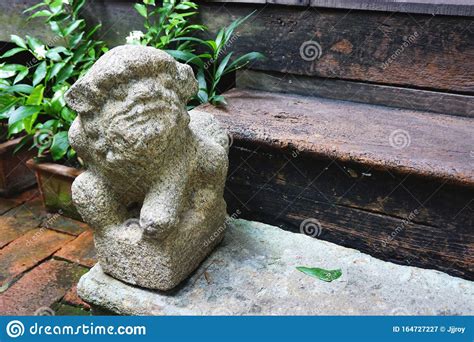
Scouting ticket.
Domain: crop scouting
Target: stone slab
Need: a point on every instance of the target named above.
(253, 272)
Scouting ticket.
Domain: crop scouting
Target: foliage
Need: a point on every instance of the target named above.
(320, 273)
(32, 95)
(215, 62)
(169, 30)
(165, 23)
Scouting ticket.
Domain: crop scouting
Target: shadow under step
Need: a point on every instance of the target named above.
(395, 183)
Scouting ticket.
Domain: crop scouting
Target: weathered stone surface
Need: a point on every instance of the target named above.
(81, 250)
(154, 185)
(40, 288)
(253, 272)
(27, 251)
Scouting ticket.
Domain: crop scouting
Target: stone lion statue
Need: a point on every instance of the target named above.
(153, 189)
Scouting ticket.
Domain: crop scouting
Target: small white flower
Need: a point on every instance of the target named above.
(134, 37)
(40, 52)
(65, 2)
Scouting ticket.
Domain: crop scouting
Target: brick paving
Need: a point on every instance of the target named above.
(42, 257)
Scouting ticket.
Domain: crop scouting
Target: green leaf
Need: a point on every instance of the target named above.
(68, 115)
(60, 145)
(34, 7)
(243, 60)
(202, 96)
(42, 13)
(141, 9)
(75, 39)
(33, 42)
(18, 88)
(36, 96)
(55, 69)
(9, 70)
(60, 49)
(218, 100)
(40, 73)
(187, 57)
(21, 75)
(55, 28)
(65, 73)
(77, 6)
(53, 55)
(21, 113)
(18, 41)
(221, 68)
(73, 26)
(12, 52)
(320, 273)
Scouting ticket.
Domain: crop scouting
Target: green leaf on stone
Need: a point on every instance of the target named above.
(320, 273)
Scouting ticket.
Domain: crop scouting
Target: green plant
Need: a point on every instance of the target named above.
(215, 62)
(165, 23)
(167, 28)
(32, 95)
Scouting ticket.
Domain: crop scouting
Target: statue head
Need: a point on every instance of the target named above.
(132, 102)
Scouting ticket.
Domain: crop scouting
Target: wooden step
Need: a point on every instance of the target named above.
(397, 184)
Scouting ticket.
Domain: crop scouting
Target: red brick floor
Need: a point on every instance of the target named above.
(42, 257)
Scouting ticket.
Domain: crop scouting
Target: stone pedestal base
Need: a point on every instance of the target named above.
(253, 272)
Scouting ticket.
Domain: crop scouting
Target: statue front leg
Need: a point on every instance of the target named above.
(95, 201)
(162, 207)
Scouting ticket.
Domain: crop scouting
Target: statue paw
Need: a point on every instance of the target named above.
(158, 230)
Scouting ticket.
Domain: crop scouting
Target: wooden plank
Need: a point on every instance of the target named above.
(407, 141)
(435, 7)
(289, 2)
(425, 100)
(333, 182)
(419, 51)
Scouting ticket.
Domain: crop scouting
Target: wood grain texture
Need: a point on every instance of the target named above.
(437, 146)
(420, 51)
(438, 7)
(398, 97)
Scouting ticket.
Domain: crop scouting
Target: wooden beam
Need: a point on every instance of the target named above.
(398, 97)
(418, 51)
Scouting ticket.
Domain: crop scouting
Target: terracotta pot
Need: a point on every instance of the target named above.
(15, 176)
(54, 182)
